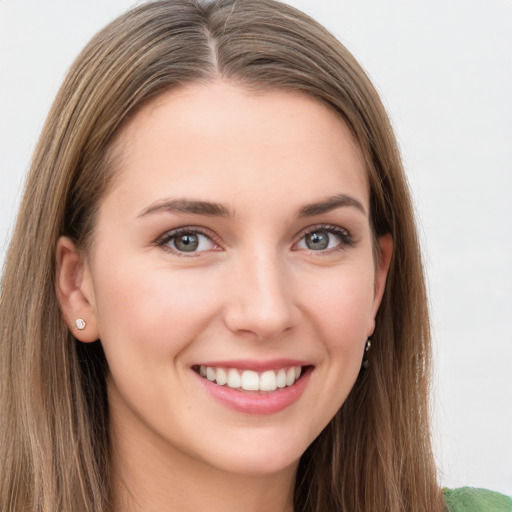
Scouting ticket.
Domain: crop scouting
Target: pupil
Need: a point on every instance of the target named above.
(187, 243)
(317, 241)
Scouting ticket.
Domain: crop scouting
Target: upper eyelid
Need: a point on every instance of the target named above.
(346, 236)
(215, 239)
(323, 227)
(168, 235)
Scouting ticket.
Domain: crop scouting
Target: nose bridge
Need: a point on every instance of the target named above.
(261, 301)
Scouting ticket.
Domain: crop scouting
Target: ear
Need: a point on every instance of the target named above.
(385, 252)
(75, 290)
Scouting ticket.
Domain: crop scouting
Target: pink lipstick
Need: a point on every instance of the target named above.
(255, 387)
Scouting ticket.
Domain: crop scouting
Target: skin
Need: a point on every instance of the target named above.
(253, 291)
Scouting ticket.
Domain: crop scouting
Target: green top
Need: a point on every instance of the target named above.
(468, 499)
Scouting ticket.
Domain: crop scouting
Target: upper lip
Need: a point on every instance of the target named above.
(255, 365)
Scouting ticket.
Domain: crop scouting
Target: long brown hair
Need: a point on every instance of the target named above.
(375, 454)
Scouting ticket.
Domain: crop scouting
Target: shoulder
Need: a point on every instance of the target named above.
(469, 499)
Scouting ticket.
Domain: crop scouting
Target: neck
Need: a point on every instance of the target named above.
(150, 476)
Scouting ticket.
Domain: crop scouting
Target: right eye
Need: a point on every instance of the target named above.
(187, 241)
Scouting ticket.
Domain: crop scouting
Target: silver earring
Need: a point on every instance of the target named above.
(367, 347)
(80, 324)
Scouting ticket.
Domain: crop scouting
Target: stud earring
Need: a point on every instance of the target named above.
(80, 324)
(367, 347)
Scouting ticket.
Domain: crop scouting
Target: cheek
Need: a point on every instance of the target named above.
(151, 310)
(341, 305)
(340, 311)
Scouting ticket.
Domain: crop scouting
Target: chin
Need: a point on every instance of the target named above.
(259, 454)
(256, 465)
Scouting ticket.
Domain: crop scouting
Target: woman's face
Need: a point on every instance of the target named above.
(233, 251)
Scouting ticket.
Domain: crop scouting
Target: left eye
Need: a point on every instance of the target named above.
(188, 241)
(322, 239)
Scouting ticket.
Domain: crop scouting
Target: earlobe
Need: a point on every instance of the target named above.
(75, 292)
(382, 264)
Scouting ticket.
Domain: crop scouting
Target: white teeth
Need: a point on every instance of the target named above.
(249, 380)
(281, 378)
(234, 380)
(222, 376)
(210, 374)
(268, 381)
(290, 376)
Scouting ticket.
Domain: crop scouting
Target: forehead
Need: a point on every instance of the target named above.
(225, 141)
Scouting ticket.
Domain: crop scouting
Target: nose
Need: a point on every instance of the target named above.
(260, 299)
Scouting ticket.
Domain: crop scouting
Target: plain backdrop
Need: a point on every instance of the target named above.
(444, 70)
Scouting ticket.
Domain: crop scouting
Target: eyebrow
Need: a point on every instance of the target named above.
(187, 206)
(196, 207)
(329, 204)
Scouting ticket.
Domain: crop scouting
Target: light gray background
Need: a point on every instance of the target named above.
(444, 69)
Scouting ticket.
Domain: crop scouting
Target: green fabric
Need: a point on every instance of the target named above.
(468, 499)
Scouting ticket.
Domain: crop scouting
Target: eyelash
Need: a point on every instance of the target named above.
(346, 238)
(175, 233)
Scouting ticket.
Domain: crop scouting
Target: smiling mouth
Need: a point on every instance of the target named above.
(249, 380)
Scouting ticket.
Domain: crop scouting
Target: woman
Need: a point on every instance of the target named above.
(222, 224)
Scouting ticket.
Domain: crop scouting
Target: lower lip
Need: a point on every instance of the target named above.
(255, 403)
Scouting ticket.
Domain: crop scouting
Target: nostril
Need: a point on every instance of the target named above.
(265, 322)
(260, 303)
